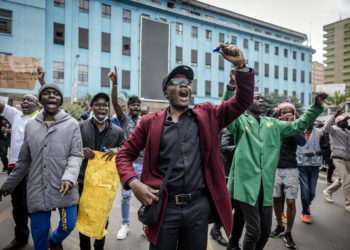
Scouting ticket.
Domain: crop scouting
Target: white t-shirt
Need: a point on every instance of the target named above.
(18, 122)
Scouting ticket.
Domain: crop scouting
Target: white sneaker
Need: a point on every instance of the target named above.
(328, 196)
(123, 232)
(347, 208)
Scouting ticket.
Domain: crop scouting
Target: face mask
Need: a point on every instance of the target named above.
(106, 117)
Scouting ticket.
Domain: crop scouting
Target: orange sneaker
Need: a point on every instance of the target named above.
(306, 218)
(284, 219)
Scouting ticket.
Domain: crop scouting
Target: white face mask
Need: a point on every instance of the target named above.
(106, 117)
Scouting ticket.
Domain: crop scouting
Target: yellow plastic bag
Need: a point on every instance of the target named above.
(100, 187)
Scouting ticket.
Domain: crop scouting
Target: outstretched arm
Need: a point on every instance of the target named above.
(41, 74)
(114, 78)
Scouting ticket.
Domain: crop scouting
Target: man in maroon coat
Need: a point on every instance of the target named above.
(196, 190)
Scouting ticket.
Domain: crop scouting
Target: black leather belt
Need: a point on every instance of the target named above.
(183, 199)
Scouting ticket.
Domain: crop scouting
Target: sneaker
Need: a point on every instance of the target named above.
(284, 218)
(328, 196)
(16, 244)
(123, 232)
(306, 218)
(277, 232)
(289, 241)
(347, 208)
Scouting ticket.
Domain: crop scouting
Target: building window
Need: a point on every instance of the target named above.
(163, 20)
(310, 99)
(59, 3)
(144, 15)
(310, 77)
(285, 52)
(221, 38)
(285, 93)
(58, 71)
(310, 58)
(5, 21)
(207, 60)
(267, 48)
(58, 33)
(178, 54)
(276, 51)
(83, 38)
(208, 34)
(106, 10)
(294, 93)
(302, 76)
(179, 28)
(194, 32)
(84, 5)
(83, 74)
(285, 75)
(302, 98)
(104, 77)
(275, 91)
(245, 43)
(171, 5)
(194, 87)
(194, 56)
(127, 16)
(294, 55)
(256, 89)
(256, 46)
(266, 69)
(266, 91)
(294, 75)
(234, 40)
(256, 68)
(276, 72)
(221, 89)
(207, 88)
(106, 42)
(126, 79)
(302, 56)
(126, 46)
(221, 63)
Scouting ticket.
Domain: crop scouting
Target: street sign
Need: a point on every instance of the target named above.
(331, 88)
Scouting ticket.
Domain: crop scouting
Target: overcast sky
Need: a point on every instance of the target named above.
(306, 16)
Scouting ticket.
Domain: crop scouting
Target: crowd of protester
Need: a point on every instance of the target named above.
(227, 164)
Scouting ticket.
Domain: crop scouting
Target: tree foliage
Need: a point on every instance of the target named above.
(337, 100)
(272, 100)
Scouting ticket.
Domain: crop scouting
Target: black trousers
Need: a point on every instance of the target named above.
(258, 220)
(329, 161)
(85, 240)
(3, 156)
(20, 209)
(185, 227)
(238, 224)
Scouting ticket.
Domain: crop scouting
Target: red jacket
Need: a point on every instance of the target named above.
(211, 119)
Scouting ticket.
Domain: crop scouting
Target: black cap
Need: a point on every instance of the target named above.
(182, 69)
(50, 86)
(99, 95)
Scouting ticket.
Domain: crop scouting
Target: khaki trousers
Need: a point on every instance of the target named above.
(342, 169)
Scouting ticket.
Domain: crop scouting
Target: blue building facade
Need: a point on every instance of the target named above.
(80, 41)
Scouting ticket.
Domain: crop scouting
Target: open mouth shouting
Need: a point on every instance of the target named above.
(184, 94)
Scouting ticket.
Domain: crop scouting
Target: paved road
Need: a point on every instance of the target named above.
(330, 230)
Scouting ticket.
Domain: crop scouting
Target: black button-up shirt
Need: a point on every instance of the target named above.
(99, 136)
(187, 174)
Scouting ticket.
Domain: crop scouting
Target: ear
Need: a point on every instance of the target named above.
(166, 94)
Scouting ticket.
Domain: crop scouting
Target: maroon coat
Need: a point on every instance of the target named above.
(211, 119)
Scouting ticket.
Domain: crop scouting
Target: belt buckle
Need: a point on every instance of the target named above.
(179, 199)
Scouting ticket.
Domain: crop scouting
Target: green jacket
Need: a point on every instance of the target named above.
(257, 152)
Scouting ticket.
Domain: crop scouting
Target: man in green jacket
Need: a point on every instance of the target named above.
(252, 175)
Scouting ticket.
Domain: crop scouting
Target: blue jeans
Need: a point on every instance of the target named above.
(40, 226)
(308, 180)
(126, 196)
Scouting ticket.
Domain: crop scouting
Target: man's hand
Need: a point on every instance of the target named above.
(310, 154)
(89, 153)
(338, 113)
(320, 97)
(41, 74)
(232, 54)
(4, 193)
(289, 117)
(143, 193)
(110, 153)
(65, 186)
(114, 76)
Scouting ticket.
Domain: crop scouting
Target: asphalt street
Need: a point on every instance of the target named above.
(329, 231)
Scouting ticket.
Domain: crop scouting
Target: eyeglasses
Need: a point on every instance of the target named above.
(178, 81)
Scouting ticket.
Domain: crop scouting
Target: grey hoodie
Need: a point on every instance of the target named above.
(49, 155)
(339, 139)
